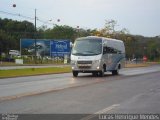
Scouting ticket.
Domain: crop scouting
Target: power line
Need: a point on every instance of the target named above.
(26, 17)
(16, 14)
(44, 22)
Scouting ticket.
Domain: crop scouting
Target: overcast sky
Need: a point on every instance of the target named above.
(140, 17)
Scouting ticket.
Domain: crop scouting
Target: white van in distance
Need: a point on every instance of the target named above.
(97, 55)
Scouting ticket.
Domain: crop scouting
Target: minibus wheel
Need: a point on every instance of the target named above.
(115, 72)
(101, 73)
(95, 74)
(75, 73)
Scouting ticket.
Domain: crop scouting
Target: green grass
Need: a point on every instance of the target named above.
(38, 64)
(136, 65)
(33, 71)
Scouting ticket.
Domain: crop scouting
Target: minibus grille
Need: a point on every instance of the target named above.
(84, 64)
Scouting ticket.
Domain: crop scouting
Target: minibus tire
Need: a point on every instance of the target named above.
(101, 73)
(75, 73)
(95, 74)
(115, 72)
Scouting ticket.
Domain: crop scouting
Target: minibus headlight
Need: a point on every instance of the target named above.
(97, 61)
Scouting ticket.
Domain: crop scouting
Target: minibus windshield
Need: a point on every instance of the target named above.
(87, 47)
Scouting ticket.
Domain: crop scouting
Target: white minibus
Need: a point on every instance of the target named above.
(97, 55)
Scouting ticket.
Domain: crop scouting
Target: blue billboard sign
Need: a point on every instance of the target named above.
(60, 48)
(45, 47)
(42, 47)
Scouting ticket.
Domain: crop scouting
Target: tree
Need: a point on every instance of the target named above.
(6, 42)
(60, 32)
(153, 49)
(11, 31)
(109, 30)
(110, 26)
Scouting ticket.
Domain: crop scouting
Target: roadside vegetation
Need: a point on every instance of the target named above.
(33, 71)
(137, 65)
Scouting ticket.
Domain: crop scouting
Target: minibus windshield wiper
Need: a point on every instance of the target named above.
(91, 52)
(85, 53)
(77, 53)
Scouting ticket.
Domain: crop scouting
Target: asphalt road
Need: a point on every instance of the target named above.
(135, 90)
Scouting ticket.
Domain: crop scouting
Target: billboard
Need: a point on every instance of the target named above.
(42, 47)
(60, 48)
(45, 47)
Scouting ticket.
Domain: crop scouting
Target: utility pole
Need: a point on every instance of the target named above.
(1, 53)
(35, 38)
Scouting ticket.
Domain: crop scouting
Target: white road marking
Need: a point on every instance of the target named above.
(101, 112)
